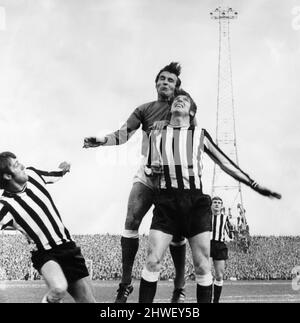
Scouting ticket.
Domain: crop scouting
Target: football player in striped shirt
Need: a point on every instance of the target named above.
(181, 208)
(218, 248)
(27, 206)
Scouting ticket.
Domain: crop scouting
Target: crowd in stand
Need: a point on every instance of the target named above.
(265, 258)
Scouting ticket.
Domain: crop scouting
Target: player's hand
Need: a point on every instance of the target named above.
(266, 192)
(92, 142)
(65, 167)
(159, 125)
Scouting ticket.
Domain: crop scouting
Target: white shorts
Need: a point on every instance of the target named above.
(150, 181)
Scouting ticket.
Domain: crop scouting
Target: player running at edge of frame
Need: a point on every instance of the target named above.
(27, 206)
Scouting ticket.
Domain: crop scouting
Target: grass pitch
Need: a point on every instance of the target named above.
(105, 291)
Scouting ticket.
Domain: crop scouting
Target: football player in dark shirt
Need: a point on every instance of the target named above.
(141, 196)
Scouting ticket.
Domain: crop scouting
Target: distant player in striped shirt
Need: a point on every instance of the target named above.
(27, 206)
(218, 248)
(181, 208)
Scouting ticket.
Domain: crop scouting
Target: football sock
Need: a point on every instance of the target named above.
(147, 291)
(204, 288)
(217, 290)
(204, 294)
(129, 249)
(148, 285)
(178, 255)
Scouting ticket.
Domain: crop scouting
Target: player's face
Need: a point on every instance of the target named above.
(17, 171)
(181, 104)
(166, 84)
(216, 205)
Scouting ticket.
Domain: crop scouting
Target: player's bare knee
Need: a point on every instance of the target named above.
(202, 267)
(201, 270)
(219, 277)
(57, 293)
(60, 286)
(153, 265)
(153, 261)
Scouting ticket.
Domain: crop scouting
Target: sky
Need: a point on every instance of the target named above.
(73, 68)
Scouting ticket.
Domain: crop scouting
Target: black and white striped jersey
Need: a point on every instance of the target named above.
(33, 212)
(220, 227)
(176, 155)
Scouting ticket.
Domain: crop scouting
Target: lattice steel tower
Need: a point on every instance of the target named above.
(223, 185)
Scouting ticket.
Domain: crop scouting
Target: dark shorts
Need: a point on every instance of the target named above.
(68, 256)
(182, 213)
(218, 250)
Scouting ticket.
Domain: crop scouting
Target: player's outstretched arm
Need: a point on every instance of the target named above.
(233, 170)
(50, 177)
(265, 191)
(118, 137)
(92, 142)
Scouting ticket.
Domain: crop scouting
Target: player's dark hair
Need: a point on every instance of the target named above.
(217, 198)
(193, 108)
(174, 68)
(4, 163)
